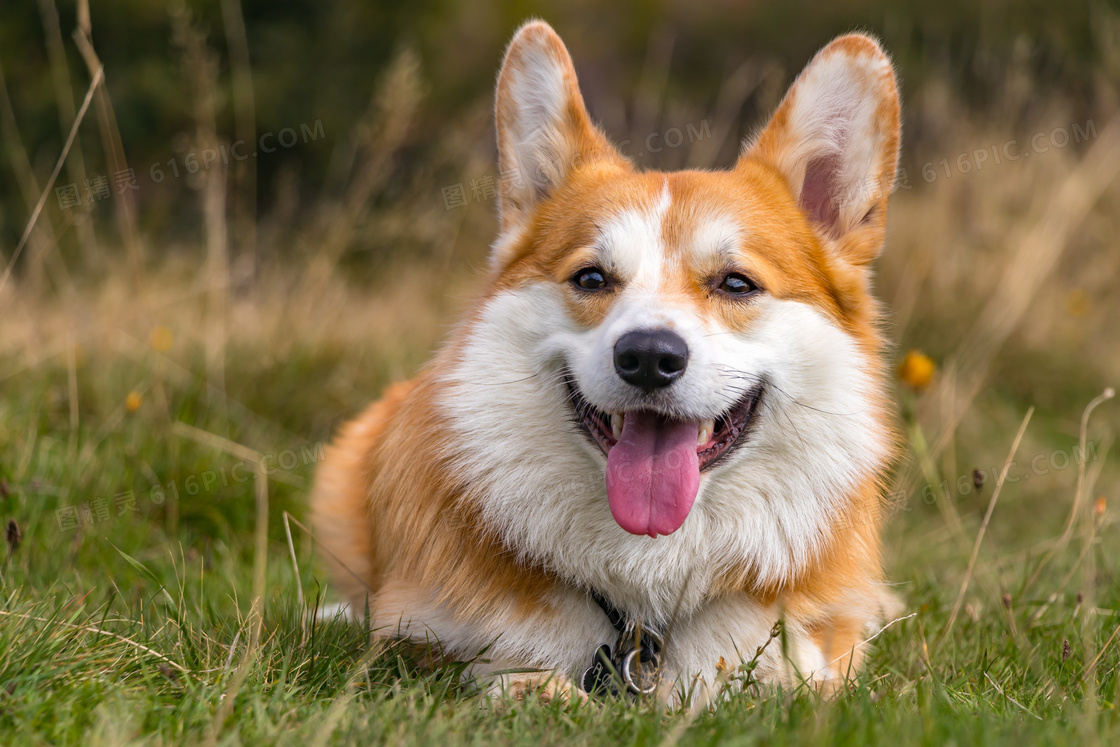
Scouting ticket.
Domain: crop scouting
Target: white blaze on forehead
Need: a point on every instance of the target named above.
(713, 235)
(633, 242)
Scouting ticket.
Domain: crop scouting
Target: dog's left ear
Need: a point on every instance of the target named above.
(544, 132)
(835, 140)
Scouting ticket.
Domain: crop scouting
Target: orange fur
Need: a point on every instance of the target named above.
(389, 512)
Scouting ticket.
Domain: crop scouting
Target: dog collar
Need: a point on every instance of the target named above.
(634, 662)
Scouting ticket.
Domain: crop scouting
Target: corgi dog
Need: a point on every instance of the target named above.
(664, 427)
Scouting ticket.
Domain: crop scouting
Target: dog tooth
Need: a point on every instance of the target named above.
(617, 420)
(707, 428)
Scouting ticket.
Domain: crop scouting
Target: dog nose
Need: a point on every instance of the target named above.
(650, 358)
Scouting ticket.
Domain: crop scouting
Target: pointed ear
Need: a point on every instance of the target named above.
(835, 140)
(544, 132)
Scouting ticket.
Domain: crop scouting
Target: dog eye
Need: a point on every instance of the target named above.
(735, 284)
(590, 278)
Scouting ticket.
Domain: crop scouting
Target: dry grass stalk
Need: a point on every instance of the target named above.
(43, 240)
(1093, 664)
(1079, 492)
(201, 68)
(94, 86)
(124, 205)
(260, 485)
(299, 579)
(64, 99)
(383, 131)
(987, 518)
(327, 551)
(245, 126)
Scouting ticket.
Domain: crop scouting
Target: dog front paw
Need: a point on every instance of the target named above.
(545, 686)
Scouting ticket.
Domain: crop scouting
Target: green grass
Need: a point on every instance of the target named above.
(140, 628)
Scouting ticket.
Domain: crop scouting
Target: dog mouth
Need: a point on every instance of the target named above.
(715, 437)
(654, 461)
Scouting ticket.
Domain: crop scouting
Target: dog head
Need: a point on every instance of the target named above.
(702, 344)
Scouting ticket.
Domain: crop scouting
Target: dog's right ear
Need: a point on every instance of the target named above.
(544, 132)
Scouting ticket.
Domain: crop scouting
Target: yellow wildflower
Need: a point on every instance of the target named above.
(917, 369)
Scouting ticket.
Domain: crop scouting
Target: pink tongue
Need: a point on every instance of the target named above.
(653, 473)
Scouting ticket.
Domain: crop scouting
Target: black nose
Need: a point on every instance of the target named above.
(650, 358)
